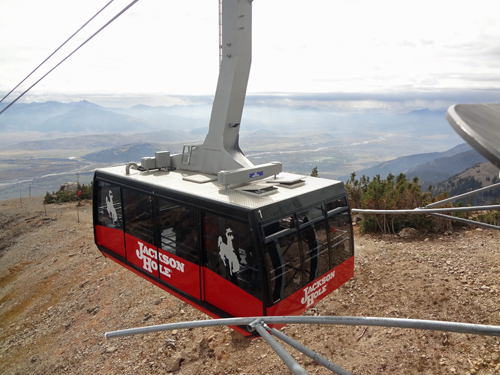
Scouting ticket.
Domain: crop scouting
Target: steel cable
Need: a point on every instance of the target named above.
(52, 54)
(80, 46)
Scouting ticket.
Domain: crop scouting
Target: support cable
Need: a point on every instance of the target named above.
(467, 221)
(286, 357)
(52, 54)
(310, 353)
(80, 46)
(463, 195)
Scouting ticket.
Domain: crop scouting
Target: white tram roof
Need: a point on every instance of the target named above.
(216, 192)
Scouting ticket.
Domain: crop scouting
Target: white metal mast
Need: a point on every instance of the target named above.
(220, 151)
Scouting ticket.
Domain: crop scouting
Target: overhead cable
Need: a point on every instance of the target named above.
(52, 54)
(76, 49)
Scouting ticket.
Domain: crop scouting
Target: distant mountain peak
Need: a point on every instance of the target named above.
(263, 132)
(427, 112)
(141, 106)
(85, 104)
(307, 108)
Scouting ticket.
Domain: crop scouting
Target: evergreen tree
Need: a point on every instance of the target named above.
(393, 193)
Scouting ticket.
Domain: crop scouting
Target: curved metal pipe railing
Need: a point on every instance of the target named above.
(434, 325)
(420, 211)
(259, 324)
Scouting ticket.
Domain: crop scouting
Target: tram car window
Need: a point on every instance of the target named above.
(299, 249)
(330, 206)
(340, 234)
(139, 230)
(230, 252)
(178, 229)
(313, 237)
(110, 206)
(110, 217)
(138, 212)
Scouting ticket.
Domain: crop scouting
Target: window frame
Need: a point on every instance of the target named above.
(298, 228)
(158, 238)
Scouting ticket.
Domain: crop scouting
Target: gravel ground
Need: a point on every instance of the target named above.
(59, 295)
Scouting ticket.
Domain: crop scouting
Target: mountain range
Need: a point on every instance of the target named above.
(123, 154)
(83, 116)
(456, 171)
(299, 137)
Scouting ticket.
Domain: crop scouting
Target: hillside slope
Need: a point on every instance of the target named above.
(125, 153)
(442, 168)
(480, 175)
(58, 295)
(408, 163)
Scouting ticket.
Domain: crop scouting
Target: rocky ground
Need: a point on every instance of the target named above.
(59, 295)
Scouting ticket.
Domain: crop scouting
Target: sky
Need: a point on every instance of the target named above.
(338, 54)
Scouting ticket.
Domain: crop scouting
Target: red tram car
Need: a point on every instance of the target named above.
(226, 252)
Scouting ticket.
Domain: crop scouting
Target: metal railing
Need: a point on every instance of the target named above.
(260, 324)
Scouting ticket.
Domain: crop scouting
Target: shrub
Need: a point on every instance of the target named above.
(49, 198)
(67, 196)
(393, 193)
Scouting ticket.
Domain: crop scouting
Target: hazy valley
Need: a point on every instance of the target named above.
(46, 144)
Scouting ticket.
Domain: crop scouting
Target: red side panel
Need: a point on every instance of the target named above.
(315, 291)
(142, 254)
(110, 238)
(228, 297)
(179, 273)
(189, 302)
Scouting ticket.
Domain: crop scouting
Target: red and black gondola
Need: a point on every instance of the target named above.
(226, 252)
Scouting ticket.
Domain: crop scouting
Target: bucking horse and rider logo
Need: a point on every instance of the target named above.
(110, 206)
(226, 252)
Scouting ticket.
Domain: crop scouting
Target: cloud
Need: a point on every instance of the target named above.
(339, 102)
(369, 59)
(383, 102)
(449, 95)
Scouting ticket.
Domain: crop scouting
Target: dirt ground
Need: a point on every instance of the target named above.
(59, 295)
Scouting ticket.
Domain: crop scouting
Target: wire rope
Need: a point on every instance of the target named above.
(52, 54)
(76, 49)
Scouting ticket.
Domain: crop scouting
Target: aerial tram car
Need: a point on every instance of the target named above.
(230, 238)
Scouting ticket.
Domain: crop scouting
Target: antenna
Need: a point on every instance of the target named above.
(479, 126)
(220, 33)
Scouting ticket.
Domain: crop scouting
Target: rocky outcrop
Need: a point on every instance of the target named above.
(71, 187)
